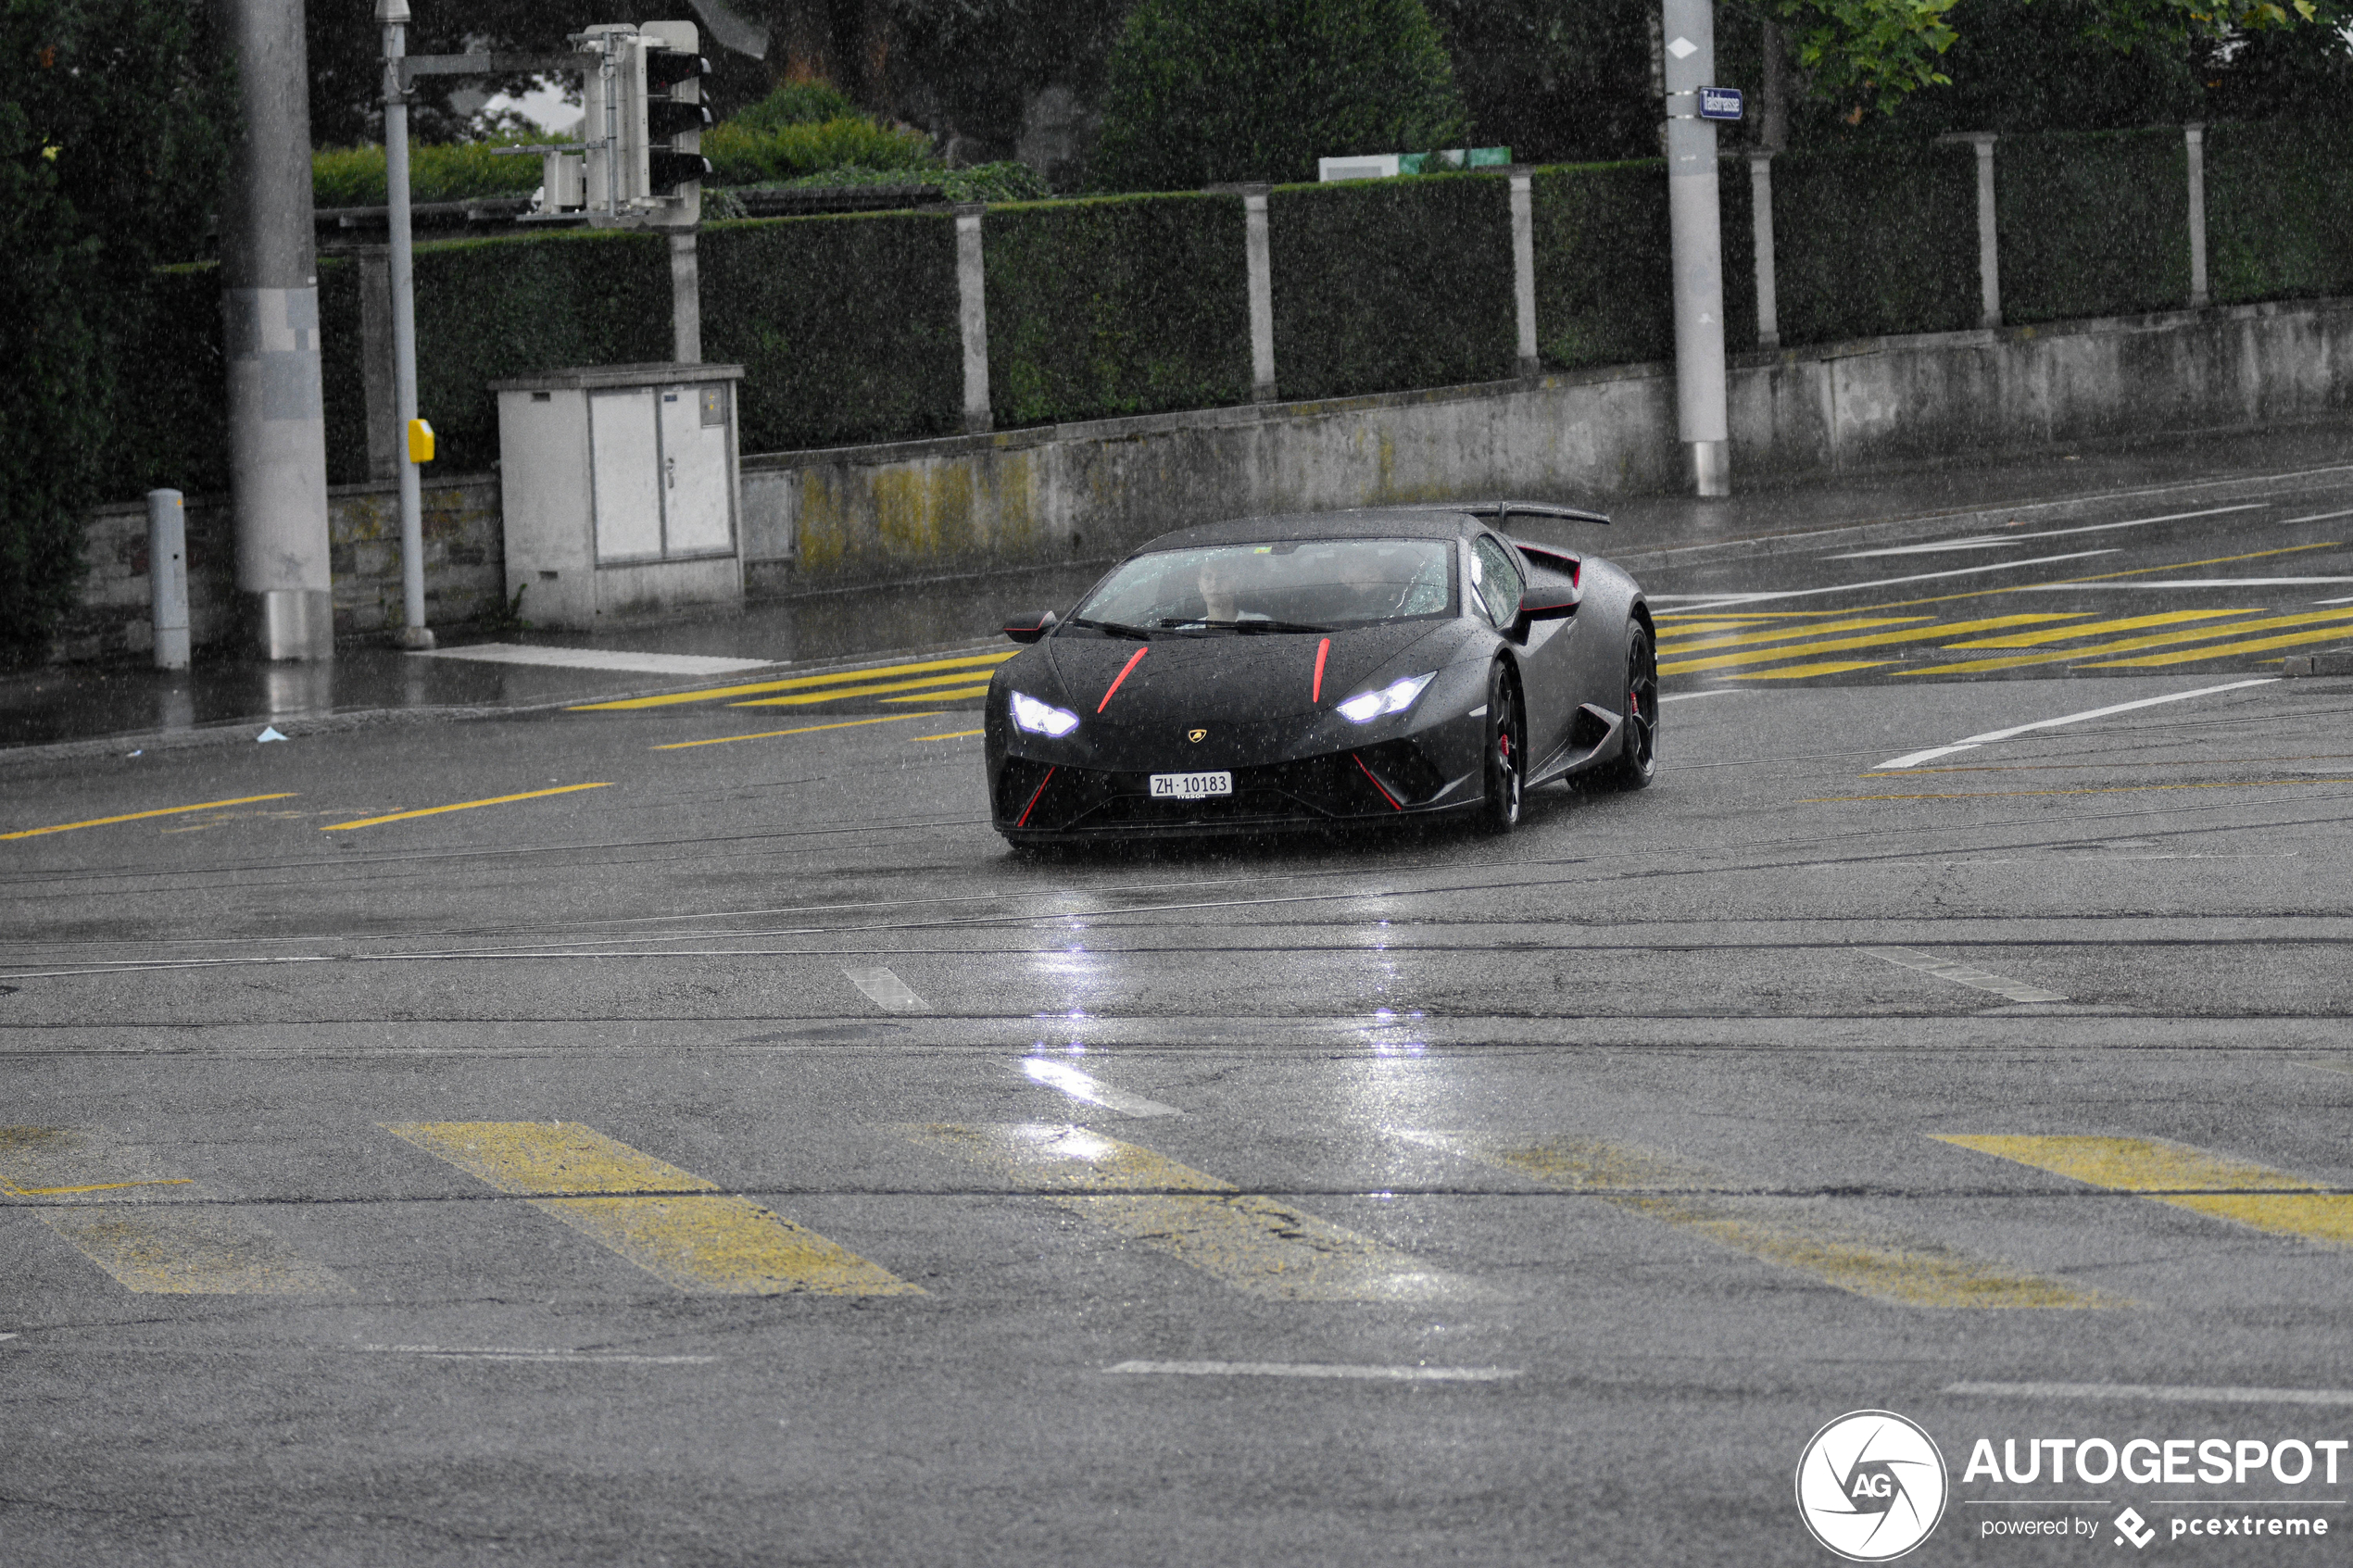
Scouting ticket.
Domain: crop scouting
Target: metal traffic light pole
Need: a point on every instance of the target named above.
(414, 635)
(1696, 241)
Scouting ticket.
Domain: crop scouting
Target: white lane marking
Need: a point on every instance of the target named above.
(1092, 1090)
(1313, 1369)
(8, 1336)
(599, 659)
(1719, 691)
(504, 1353)
(1962, 975)
(2189, 582)
(886, 991)
(1713, 599)
(2174, 1392)
(2347, 600)
(1989, 541)
(1971, 743)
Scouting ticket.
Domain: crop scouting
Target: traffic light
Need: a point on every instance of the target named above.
(643, 130)
(675, 118)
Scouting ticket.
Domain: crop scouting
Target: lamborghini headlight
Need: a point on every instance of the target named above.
(1044, 717)
(1395, 698)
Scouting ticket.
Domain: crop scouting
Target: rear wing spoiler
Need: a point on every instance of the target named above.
(1501, 512)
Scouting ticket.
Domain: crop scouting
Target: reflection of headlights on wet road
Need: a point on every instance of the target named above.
(1395, 698)
(1045, 719)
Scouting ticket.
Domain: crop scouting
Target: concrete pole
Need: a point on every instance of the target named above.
(2194, 138)
(1258, 258)
(686, 300)
(412, 634)
(167, 577)
(1989, 249)
(1524, 267)
(971, 315)
(1695, 233)
(269, 308)
(1760, 194)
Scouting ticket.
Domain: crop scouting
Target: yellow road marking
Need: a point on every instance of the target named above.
(141, 816)
(1750, 636)
(804, 730)
(2102, 628)
(460, 806)
(2152, 640)
(2186, 1177)
(2229, 650)
(1797, 671)
(1253, 1244)
(837, 694)
(798, 683)
(954, 734)
(943, 696)
(1737, 615)
(154, 1246)
(1886, 1265)
(2101, 577)
(1868, 640)
(2112, 789)
(671, 1222)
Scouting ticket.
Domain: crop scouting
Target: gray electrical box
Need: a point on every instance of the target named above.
(620, 491)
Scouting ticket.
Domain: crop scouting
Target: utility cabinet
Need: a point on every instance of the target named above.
(620, 491)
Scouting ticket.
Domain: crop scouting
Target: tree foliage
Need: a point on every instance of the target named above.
(114, 126)
(1203, 91)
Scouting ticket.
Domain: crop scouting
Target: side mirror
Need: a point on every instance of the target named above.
(1030, 628)
(1543, 604)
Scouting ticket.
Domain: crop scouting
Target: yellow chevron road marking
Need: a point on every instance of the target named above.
(2229, 650)
(2153, 640)
(960, 695)
(1256, 1245)
(2101, 628)
(143, 816)
(460, 806)
(669, 1223)
(1867, 640)
(2185, 1176)
(804, 730)
(1799, 671)
(171, 1239)
(1751, 636)
(797, 683)
(928, 685)
(1886, 1265)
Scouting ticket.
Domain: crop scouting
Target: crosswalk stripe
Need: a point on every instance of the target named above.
(156, 1235)
(836, 693)
(1253, 1244)
(2133, 644)
(1749, 636)
(797, 682)
(671, 1223)
(1867, 640)
(1886, 1265)
(2184, 1177)
(2229, 650)
(2099, 629)
(1800, 672)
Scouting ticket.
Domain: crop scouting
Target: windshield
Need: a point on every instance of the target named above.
(1288, 585)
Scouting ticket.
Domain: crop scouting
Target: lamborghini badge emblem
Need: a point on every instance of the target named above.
(1196, 735)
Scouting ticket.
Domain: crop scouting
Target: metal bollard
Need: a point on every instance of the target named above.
(167, 577)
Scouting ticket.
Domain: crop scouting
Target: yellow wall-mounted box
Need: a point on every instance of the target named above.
(419, 442)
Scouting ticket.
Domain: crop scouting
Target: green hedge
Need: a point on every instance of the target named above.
(846, 326)
(172, 422)
(1382, 285)
(1875, 242)
(488, 309)
(1601, 275)
(2279, 211)
(2091, 224)
(745, 155)
(1124, 305)
(355, 176)
(342, 387)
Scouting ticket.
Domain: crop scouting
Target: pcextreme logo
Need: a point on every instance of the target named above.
(1870, 1485)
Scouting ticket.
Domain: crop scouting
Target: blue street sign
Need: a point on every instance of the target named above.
(1719, 102)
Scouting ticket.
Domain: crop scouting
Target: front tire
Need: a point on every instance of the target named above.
(1506, 740)
(1637, 762)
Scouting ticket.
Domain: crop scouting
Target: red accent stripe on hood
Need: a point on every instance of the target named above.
(1322, 649)
(1132, 662)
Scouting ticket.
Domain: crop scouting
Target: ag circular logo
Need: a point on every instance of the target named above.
(1870, 1485)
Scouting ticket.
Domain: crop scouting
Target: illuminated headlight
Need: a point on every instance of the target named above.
(1395, 698)
(1045, 719)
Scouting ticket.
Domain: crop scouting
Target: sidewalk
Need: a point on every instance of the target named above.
(131, 707)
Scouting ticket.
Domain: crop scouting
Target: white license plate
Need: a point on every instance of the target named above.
(1190, 786)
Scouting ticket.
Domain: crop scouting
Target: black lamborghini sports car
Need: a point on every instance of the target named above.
(1323, 669)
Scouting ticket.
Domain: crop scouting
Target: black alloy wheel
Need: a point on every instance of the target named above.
(1637, 762)
(1506, 735)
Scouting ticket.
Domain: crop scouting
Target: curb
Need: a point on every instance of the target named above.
(2329, 661)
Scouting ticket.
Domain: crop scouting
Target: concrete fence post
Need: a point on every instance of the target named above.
(1259, 260)
(1989, 250)
(167, 577)
(686, 300)
(378, 383)
(971, 315)
(1760, 191)
(2194, 140)
(1524, 266)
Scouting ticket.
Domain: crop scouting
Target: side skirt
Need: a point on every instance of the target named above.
(1593, 736)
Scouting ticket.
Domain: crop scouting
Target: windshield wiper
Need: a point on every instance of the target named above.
(1256, 626)
(1111, 628)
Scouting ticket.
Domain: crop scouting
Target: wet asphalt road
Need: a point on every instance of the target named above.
(731, 1154)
